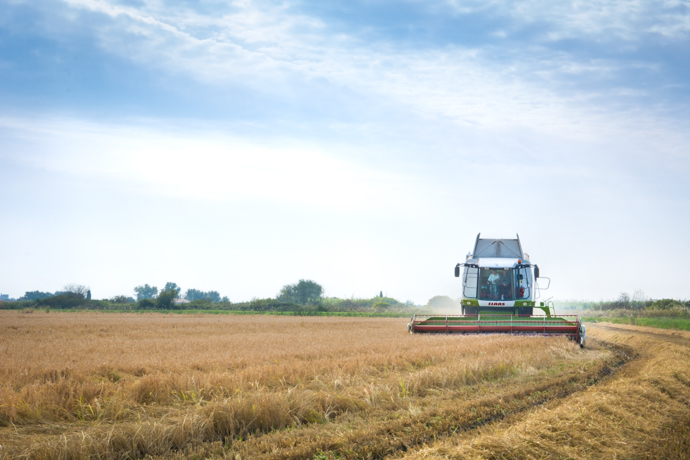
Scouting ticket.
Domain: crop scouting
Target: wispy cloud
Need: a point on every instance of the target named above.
(589, 20)
(476, 94)
(273, 47)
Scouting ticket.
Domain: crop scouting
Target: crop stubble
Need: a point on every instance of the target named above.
(112, 386)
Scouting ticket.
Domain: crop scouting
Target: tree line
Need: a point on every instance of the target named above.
(635, 302)
(303, 296)
(173, 290)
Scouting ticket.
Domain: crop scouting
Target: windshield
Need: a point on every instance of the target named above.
(504, 284)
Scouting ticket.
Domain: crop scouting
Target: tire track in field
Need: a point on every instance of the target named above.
(642, 412)
(394, 437)
(677, 339)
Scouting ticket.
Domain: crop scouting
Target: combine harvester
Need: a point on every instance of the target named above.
(499, 296)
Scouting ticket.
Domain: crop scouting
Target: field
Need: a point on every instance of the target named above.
(112, 386)
(663, 323)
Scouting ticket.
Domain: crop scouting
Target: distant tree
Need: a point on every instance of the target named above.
(174, 287)
(196, 294)
(166, 299)
(303, 292)
(77, 289)
(213, 296)
(225, 299)
(193, 294)
(638, 296)
(146, 292)
(36, 295)
(121, 299)
(88, 294)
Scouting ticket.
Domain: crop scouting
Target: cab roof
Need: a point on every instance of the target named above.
(502, 262)
(497, 248)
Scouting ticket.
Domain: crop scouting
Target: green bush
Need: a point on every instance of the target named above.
(665, 304)
(146, 304)
(166, 300)
(64, 301)
(380, 305)
(121, 299)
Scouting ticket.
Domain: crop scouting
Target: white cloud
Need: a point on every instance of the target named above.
(206, 165)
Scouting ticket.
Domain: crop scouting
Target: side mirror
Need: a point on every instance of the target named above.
(457, 271)
(536, 271)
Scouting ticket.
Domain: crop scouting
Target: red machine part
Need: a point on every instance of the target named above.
(568, 325)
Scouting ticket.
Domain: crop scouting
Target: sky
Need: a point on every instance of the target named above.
(241, 146)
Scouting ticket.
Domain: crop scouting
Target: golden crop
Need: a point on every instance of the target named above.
(98, 385)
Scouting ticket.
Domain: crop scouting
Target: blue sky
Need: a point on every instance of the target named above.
(240, 146)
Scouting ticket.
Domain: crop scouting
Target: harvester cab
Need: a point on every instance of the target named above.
(500, 288)
(497, 277)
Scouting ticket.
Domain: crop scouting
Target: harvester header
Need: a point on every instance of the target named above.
(500, 289)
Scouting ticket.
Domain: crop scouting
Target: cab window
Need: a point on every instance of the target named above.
(469, 282)
(497, 284)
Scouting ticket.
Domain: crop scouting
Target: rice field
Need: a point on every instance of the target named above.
(112, 386)
(662, 323)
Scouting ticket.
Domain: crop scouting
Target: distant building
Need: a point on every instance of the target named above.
(181, 301)
(4, 297)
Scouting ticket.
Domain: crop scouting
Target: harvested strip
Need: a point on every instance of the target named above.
(378, 440)
(640, 412)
